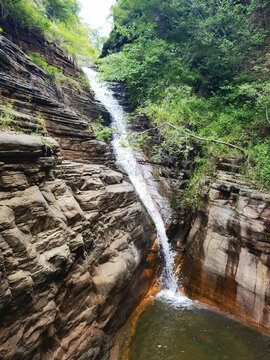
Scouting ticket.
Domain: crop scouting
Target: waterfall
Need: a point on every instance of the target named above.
(126, 158)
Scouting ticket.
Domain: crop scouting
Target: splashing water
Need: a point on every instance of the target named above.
(126, 158)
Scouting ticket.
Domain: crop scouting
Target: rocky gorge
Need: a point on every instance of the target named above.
(77, 247)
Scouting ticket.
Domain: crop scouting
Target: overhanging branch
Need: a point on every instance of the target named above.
(266, 113)
(187, 133)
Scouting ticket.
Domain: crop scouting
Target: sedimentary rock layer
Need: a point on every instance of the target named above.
(227, 255)
(39, 105)
(72, 242)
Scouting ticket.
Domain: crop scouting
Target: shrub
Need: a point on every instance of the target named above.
(53, 72)
(6, 114)
(259, 168)
(57, 18)
(102, 132)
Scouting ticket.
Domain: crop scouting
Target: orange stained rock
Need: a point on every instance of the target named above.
(153, 291)
(147, 276)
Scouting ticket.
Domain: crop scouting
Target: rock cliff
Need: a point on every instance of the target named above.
(66, 113)
(167, 177)
(224, 247)
(227, 254)
(73, 237)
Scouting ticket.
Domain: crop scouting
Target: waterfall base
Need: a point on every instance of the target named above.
(162, 328)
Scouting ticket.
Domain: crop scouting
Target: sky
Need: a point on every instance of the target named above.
(95, 13)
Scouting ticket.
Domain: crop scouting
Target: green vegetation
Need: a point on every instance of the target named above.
(10, 120)
(203, 167)
(58, 19)
(53, 72)
(6, 115)
(56, 75)
(83, 79)
(26, 13)
(202, 67)
(61, 10)
(102, 132)
(75, 38)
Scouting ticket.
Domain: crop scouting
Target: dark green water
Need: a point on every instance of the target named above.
(190, 333)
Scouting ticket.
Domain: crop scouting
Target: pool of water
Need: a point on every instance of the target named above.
(186, 332)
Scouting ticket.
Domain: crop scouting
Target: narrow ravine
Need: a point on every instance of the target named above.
(126, 159)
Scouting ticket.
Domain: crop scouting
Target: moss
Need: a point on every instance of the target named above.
(203, 167)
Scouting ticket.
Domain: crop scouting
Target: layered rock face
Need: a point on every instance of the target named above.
(27, 39)
(74, 240)
(41, 105)
(227, 256)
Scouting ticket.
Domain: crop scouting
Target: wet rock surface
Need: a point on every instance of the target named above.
(227, 251)
(167, 178)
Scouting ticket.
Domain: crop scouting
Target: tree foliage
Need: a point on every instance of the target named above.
(201, 64)
(61, 10)
(59, 19)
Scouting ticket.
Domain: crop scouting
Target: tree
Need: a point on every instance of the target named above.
(199, 65)
(61, 10)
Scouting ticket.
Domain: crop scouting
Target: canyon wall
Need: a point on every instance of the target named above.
(75, 243)
(226, 261)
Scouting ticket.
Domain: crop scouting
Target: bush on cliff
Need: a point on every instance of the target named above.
(202, 66)
(59, 20)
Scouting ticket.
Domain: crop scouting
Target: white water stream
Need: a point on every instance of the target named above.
(126, 158)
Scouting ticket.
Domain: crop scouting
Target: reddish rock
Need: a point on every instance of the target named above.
(227, 255)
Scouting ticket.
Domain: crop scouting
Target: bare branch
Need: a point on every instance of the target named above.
(187, 133)
(154, 128)
(266, 113)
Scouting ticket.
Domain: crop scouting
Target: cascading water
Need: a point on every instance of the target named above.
(173, 327)
(126, 158)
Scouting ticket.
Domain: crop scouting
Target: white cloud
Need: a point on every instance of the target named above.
(96, 13)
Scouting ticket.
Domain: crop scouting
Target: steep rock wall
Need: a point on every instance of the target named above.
(30, 40)
(66, 111)
(74, 240)
(167, 177)
(227, 254)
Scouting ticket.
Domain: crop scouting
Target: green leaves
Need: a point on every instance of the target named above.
(212, 39)
(202, 66)
(61, 10)
(28, 13)
(260, 157)
(58, 19)
(53, 72)
(103, 133)
(7, 114)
